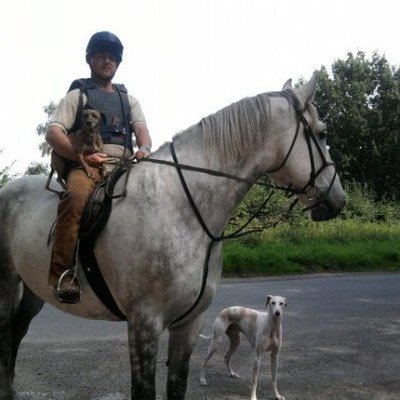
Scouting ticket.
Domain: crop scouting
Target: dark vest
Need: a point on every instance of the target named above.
(114, 107)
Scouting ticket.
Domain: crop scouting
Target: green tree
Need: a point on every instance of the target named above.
(41, 129)
(361, 102)
(5, 174)
(37, 168)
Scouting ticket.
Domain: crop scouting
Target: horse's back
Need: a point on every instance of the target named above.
(25, 190)
(26, 204)
(27, 212)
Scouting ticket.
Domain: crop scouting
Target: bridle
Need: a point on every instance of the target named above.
(290, 190)
(310, 137)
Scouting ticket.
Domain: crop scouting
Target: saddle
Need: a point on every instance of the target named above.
(94, 218)
(99, 206)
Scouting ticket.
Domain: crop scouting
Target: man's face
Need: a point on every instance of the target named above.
(103, 65)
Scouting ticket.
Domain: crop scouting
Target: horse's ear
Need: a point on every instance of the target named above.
(306, 92)
(287, 85)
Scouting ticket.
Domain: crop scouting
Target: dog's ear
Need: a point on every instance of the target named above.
(268, 299)
(284, 302)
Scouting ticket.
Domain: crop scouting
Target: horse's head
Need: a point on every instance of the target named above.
(303, 162)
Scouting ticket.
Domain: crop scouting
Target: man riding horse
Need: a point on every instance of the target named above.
(163, 270)
(122, 116)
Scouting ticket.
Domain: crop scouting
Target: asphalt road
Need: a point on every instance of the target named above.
(341, 341)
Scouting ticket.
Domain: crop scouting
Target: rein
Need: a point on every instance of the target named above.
(221, 174)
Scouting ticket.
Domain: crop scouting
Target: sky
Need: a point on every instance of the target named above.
(183, 59)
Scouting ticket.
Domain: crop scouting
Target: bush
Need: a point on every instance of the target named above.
(361, 204)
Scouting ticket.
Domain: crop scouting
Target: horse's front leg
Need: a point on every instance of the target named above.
(181, 343)
(143, 336)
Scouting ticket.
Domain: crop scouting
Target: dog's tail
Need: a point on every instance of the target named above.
(205, 337)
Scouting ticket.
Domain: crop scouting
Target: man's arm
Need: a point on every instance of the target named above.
(143, 140)
(61, 144)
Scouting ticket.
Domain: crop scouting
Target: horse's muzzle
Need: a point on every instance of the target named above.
(326, 210)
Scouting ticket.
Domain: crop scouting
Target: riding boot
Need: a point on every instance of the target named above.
(70, 211)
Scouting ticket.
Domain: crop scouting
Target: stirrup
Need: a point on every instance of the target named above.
(65, 296)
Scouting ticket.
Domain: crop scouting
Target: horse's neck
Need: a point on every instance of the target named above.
(216, 197)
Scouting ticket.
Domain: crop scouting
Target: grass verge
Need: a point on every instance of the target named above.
(334, 246)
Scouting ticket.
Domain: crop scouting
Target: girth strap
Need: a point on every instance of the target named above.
(95, 278)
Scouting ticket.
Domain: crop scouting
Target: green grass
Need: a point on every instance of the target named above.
(335, 246)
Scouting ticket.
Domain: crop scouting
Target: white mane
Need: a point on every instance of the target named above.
(236, 129)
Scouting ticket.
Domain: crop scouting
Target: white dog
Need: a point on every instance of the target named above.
(263, 331)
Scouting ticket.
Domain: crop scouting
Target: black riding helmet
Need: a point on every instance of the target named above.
(105, 42)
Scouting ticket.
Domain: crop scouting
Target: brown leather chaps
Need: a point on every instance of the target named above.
(70, 211)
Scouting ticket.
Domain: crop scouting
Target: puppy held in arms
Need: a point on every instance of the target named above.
(88, 140)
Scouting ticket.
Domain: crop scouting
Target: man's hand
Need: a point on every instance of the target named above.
(96, 159)
(142, 153)
(143, 140)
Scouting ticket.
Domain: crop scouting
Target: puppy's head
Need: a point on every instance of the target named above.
(275, 304)
(91, 119)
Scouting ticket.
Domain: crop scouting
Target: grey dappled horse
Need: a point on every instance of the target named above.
(153, 248)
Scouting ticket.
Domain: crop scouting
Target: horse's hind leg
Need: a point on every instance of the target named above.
(9, 295)
(234, 339)
(180, 347)
(16, 312)
(29, 306)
